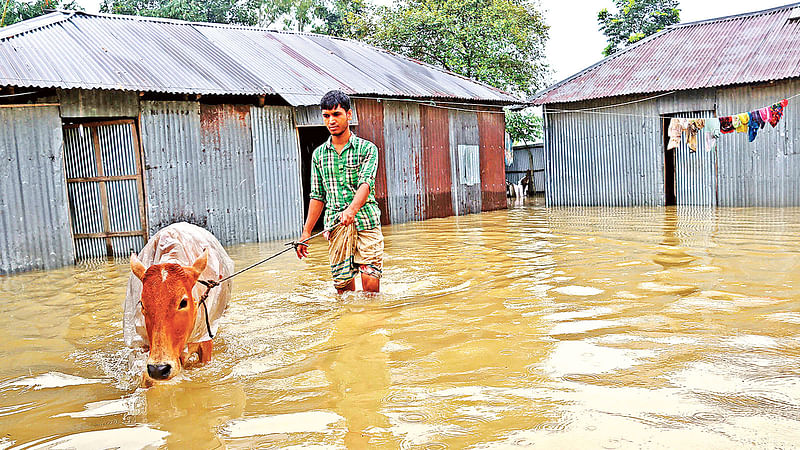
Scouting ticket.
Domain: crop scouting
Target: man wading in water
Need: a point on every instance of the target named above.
(343, 184)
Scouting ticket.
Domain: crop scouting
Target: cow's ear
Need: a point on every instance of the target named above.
(137, 267)
(199, 264)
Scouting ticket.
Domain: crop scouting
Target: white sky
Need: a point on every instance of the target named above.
(575, 42)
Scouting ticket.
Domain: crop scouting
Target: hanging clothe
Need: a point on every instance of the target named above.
(712, 133)
(744, 119)
(776, 112)
(691, 137)
(753, 125)
(674, 132)
(764, 114)
(726, 124)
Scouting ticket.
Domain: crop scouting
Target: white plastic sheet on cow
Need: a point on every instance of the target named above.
(180, 243)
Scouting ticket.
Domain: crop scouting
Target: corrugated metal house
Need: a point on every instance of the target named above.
(606, 126)
(115, 126)
(528, 157)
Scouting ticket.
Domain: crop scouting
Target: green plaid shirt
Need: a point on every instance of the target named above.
(336, 178)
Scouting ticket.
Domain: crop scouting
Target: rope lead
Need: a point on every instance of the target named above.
(210, 284)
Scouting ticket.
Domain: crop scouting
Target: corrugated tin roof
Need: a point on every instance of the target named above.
(68, 49)
(745, 48)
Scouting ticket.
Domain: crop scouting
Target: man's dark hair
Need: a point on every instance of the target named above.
(334, 98)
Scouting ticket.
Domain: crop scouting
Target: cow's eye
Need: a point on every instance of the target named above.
(183, 303)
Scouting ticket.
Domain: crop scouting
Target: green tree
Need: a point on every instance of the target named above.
(524, 127)
(16, 11)
(635, 20)
(499, 42)
(352, 19)
(243, 12)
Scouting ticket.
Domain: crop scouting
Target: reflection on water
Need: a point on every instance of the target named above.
(563, 327)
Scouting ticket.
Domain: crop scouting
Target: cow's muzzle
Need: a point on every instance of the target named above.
(159, 371)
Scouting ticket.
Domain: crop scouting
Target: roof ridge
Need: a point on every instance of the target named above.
(25, 26)
(660, 34)
(299, 33)
(599, 63)
(736, 16)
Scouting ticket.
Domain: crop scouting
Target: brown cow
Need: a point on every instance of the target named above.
(162, 313)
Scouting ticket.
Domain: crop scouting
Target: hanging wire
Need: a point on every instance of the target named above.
(592, 111)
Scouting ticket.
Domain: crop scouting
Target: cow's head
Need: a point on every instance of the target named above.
(169, 312)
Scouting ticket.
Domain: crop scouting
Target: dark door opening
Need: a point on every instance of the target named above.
(670, 199)
(310, 139)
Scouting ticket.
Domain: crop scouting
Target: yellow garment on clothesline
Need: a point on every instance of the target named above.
(744, 118)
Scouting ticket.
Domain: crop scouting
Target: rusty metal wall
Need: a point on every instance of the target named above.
(175, 182)
(34, 218)
(228, 163)
(492, 129)
(371, 129)
(233, 170)
(276, 157)
(98, 103)
(613, 156)
(403, 139)
(436, 170)
(765, 172)
(463, 132)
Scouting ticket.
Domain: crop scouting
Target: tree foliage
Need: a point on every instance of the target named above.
(17, 11)
(635, 20)
(243, 12)
(499, 42)
(524, 127)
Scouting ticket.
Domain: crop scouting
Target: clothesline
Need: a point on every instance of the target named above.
(646, 116)
(714, 127)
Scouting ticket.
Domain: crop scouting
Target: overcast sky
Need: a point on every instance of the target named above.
(575, 42)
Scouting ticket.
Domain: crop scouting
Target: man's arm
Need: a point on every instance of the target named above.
(366, 183)
(349, 214)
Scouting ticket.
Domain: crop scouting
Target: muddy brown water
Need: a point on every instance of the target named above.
(553, 327)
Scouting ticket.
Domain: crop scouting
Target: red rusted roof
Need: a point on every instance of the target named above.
(745, 48)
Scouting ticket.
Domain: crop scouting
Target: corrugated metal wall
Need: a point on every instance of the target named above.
(227, 161)
(523, 160)
(765, 172)
(491, 126)
(371, 129)
(615, 156)
(539, 163)
(436, 161)
(463, 133)
(528, 158)
(175, 182)
(34, 218)
(231, 169)
(276, 153)
(612, 157)
(403, 140)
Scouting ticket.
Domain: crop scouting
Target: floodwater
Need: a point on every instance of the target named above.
(559, 328)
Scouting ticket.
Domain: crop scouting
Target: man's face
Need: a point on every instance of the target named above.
(337, 120)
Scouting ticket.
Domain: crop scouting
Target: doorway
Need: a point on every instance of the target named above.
(310, 138)
(670, 199)
(690, 177)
